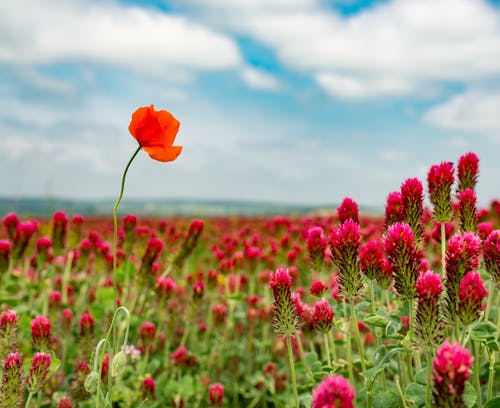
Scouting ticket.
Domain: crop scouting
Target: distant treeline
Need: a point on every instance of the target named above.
(46, 206)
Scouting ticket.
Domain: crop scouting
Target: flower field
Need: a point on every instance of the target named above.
(325, 310)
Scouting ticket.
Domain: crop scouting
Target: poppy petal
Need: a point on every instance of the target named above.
(139, 118)
(163, 154)
(170, 126)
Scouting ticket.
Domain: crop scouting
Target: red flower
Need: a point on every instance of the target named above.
(468, 170)
(87, 324)
(429, 285)
(333, 391)
(318, 288)
(393, 209)
(322, 318)
(155, 132)
(64, 402)
(148, 388)
(451, 370)
(348, 210)
(39, 371)
(216, 394)
(41, 331)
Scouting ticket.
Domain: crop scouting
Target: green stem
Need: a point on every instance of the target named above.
(331, 342)
(100, 353)
(327, 349)
(400, 392)
(491, 375)
(477, 383)
(303, 358)
(369, 394)
(378, 332)
(292, 371)
(443, 250)
(372, 296)
(410, 333)
(28, 401)
(348, 346)
(491, 290)
(115, 247)
(357, 335)
(428, 388)
(115, 222)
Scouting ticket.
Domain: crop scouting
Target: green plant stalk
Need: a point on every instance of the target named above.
(369, 394)
(404, 378)
(357, 335)
(491, 291)
(348, 346)
(100, 351)
(292, 371)
(443, 250)
(371, 284)
(477, 383)
(491, 375)
(497, 301)
(109, 396)
(327, 349)
(332, 345)
(428, 387)
(115, 222)
(66, 277)
(398, 386)
(303, 359)
(28, 401)
(378, 333)
(410, 333)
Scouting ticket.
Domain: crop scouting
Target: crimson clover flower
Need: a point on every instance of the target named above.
(148, 389)
(371, 259)
(491, 255)
(440, 179)
(462, 256)
(345, 242)
(316, 244)
(41, 332)
(428, 322)
(216, 394)
(393, 209)
(334, 391)
(404, 257)
(471, 295)
(451, 369)
(412, 197)
(12, 386)
(467, 170)
(348, 210)
(467, 201)
(322, 317)
(39, 372)
(285, 316)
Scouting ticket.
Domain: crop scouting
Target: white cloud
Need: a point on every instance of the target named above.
(349, 87)
(393, 155)
(396, 47)
(258, 79)
(108, 33)
(472, 111)
(15, 148)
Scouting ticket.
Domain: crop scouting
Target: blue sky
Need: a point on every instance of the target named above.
(290, 101)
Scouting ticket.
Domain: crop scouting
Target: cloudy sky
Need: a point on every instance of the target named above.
(291, 101)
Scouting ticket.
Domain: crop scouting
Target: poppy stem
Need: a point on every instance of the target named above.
(115, 222)
(115, 250)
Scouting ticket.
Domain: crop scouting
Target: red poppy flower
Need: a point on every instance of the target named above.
(155, 132)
